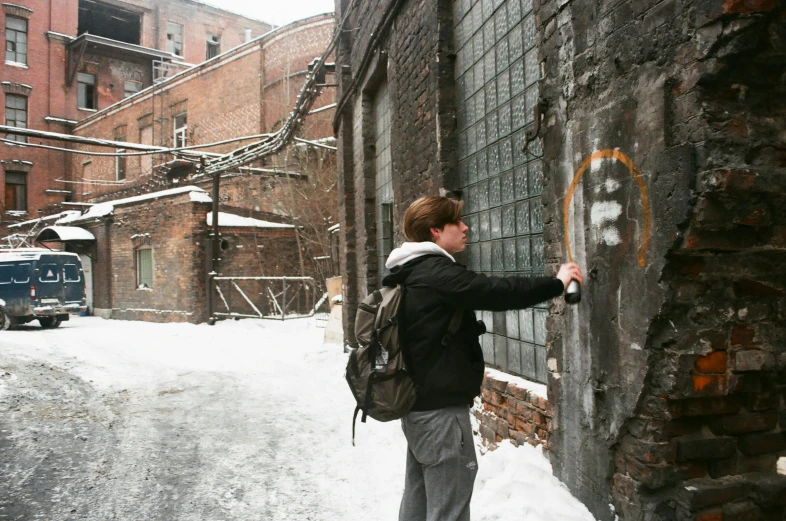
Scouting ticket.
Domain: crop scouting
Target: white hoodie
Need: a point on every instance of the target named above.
(412, 250)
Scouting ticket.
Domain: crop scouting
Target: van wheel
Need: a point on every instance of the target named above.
(5, 320)
(49, 322)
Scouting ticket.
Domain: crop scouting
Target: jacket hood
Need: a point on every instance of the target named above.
(412, 250)
(400, 260)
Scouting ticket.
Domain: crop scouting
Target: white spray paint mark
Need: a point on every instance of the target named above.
(610, 236)
(635, 346)
(552, 364)
(602, 214)
(605, 212)
(611, 185)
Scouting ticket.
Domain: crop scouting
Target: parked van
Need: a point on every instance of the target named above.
(40, 284)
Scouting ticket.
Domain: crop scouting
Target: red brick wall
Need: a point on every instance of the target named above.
(50, 96)
(45, 73)
(222, 100)
(509, 409)
(197, 19)
(175, 229)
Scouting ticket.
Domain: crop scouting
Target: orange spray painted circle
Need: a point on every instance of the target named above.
(610, 153)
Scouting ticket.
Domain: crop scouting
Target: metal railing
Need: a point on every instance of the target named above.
(273, 298)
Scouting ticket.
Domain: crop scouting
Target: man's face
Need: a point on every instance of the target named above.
(452, 238)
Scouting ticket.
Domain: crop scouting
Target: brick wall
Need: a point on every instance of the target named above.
(511, 408)
(408, 56)
(233, 83)
(50, 96)
(671, 367)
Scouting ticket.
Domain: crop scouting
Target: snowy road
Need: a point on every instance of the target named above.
(246, 420)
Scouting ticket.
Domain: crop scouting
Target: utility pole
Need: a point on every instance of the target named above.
(214, 247)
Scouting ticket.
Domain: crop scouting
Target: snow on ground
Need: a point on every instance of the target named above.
(243, 420)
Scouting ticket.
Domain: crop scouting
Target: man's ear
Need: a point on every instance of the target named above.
(435, 233)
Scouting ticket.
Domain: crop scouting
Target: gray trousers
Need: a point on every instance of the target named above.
(441, 465)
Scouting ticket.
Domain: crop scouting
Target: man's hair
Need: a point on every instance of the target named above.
(430, 212)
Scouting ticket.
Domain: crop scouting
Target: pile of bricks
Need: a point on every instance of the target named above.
(507, 410)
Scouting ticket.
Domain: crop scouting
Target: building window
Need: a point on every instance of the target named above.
(130, 88)
(496, 75)
(86, 93)
(16, 40)
(144, 267)
(213, 47)
(180, 127)
(174, 38)
(384, 179)
(15, 192)
(16, 115)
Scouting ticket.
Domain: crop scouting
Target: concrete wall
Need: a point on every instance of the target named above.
(657, 137)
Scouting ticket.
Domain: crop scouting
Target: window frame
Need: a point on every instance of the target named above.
(16, 111)
(138, 265)
(180, 134)
(16, 207)
(65, 275)
(15, 41)
(128, 93)
(212, 42)
(80, 97)
(171, 25)
(41, 273)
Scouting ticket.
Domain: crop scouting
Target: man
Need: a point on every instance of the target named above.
(441, 461)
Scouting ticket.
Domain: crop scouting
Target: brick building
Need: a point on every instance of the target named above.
(642, 139)
(69, 58)
(246, 91)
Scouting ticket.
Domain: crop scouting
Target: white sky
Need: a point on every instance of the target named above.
(277, 12)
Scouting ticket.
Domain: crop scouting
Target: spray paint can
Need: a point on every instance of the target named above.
(573, 293)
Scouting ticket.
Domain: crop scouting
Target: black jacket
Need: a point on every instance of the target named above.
(435, 287)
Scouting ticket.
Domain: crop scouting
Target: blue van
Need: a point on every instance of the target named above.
(39, 284)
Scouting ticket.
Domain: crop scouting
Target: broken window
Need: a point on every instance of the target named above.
(130, 88)
(108, 21)
(86, 91)
(180, 128)
(16, 115)
(144, 267)
(15, 40)
(213, 46)
(16, 192)
(174, 38)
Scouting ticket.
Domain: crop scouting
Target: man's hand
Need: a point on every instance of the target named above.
(568, 272)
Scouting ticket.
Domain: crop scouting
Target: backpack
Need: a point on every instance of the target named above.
(376, 371)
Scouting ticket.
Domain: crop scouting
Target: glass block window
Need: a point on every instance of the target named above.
(384, 179)
(496, 79)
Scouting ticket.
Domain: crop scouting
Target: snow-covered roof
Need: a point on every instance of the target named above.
(53, 217)
(107, 208)
(228, 219)
(65, 233)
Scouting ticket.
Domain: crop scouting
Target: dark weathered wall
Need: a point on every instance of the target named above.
(413, 56)
(681, 245)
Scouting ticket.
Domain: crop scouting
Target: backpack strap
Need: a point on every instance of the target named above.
(453, 326)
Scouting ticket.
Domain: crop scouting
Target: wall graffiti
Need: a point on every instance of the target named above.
(606, 212)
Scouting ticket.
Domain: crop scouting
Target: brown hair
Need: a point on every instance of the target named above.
(430, 212)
